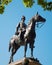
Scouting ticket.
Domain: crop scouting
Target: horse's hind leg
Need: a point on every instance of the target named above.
(12, 54)
(11, 57)
(14, 49)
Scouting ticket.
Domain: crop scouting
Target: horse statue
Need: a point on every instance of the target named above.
(29, 37)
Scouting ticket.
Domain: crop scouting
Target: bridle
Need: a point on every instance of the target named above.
(39, 24)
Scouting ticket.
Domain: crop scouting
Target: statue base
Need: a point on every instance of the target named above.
(26, 61)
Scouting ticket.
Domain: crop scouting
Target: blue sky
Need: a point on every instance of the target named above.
(8, 21)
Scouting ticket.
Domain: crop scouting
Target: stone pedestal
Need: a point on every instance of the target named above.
(26, 61)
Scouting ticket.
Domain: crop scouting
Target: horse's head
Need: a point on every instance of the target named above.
(39, 18)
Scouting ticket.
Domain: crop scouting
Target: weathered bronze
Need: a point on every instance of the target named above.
(29, 37)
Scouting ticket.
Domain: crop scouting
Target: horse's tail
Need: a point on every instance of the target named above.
(9, 46)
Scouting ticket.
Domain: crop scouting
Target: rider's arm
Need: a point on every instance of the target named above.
(18, 26)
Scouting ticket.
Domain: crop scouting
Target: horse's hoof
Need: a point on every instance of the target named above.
(25, 56)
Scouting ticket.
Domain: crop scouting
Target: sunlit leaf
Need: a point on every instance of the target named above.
(1, 9)
(6, 2)
(28, 3)
(40, 2)
(10, 1)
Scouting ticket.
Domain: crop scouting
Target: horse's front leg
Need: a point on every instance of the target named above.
(32, 47)
(25, 50)
(31, 52)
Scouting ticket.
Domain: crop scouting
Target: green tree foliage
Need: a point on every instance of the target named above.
(27, 3)
(2, 9)
(2, 5)
(45, 5)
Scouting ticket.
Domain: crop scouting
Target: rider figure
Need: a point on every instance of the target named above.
(21, 28)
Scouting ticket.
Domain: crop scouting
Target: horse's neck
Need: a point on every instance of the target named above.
(32, 23)
(30, 28)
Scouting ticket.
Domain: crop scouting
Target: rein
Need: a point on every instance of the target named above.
(37, 24)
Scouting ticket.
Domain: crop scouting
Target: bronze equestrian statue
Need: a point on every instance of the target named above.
(29, 37)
